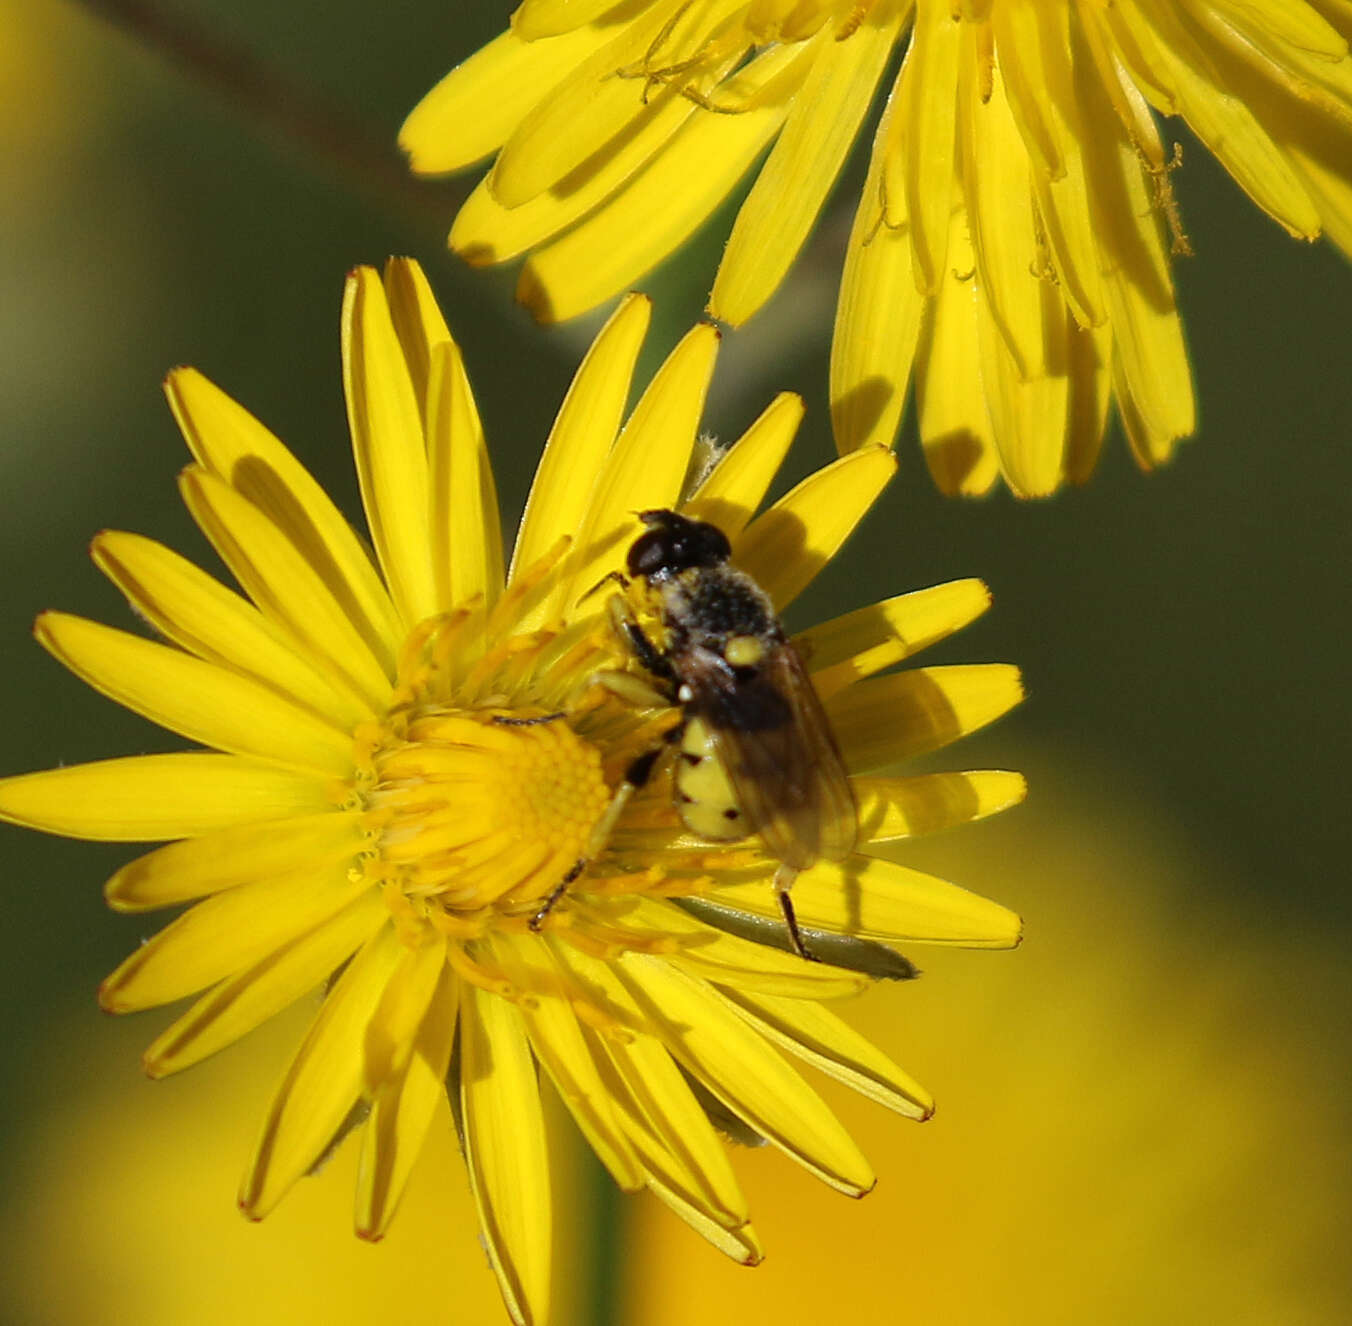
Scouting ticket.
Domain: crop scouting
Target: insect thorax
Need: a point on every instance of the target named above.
(708, 606)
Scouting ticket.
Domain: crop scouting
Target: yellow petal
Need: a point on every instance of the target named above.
(232, 444)
(487, 231)
(919, 164)
(1036, 68)
(145, 797)
(783, 204)
(870, 639)
(401, 1009)
(955, 425)
(1299, 25)
(1332, 188)
(474, 108)
(201, 701)
(239, 1004)
(879, 312)
(1294, 48)
(505, 1150)
(825, 1041)
(323, 1082)
(886, 719)
(197, 867)
(466, 547)
(1126, 92)
(1089, 360)
(534, 19)
(1147, 336)
(662, 1171)
(663, 204)
(291, 592)
(402, 1111)
(640, 1071)
(387, 442)
(588, 109)
(1029, 415)
(226, 933)
(583, 434)
(1150, 445)
(1225, 124)
(892, 808)
(737, 485)
(997, 192)
(199, 614)
(417, 321)
(877, 899)
(744, 1072)
(561, 1047)
(1314, 140)
(741, 1244)
(784, 548)
(648, 464)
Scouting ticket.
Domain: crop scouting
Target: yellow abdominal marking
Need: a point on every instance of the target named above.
(705, 799)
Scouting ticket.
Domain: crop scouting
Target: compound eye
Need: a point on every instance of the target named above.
(650, 553)
(713, 544)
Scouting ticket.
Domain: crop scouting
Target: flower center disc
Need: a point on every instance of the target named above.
(475, 812)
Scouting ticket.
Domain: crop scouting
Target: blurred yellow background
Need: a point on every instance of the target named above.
(1142, 1113)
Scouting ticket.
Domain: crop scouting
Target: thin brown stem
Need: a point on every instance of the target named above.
(285, 111)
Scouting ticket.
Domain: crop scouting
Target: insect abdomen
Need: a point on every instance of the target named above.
(704, 797)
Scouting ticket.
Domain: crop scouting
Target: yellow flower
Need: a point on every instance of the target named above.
(406, 762)
(1143, 1121)
(1012, 242)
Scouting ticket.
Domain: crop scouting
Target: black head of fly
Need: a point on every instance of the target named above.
(675, 543)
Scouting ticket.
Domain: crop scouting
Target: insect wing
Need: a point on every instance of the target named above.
(774, 741)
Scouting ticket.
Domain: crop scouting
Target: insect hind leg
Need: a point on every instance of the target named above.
(783, 882)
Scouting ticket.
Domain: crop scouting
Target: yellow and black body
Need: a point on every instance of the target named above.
(755, 752)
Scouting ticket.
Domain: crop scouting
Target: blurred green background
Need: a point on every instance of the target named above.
(1182, 863)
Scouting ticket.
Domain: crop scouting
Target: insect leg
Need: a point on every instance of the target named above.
(537, 921)
(784, 877)
(633, 690)
(616, 577)
(641, 695)
(635, 776)
(645, 651)
(506, 720)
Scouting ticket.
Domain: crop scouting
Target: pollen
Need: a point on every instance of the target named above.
(477, 807)
(483, 810)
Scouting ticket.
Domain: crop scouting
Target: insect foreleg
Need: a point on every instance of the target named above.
(647, 653)
(611, 577)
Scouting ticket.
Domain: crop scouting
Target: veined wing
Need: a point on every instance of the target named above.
(775, 744)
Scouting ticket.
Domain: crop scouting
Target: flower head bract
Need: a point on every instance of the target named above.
(404, 757)
(1011, 248)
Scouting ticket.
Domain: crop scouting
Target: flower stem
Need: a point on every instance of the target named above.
(283, 110)
(604, 1303)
